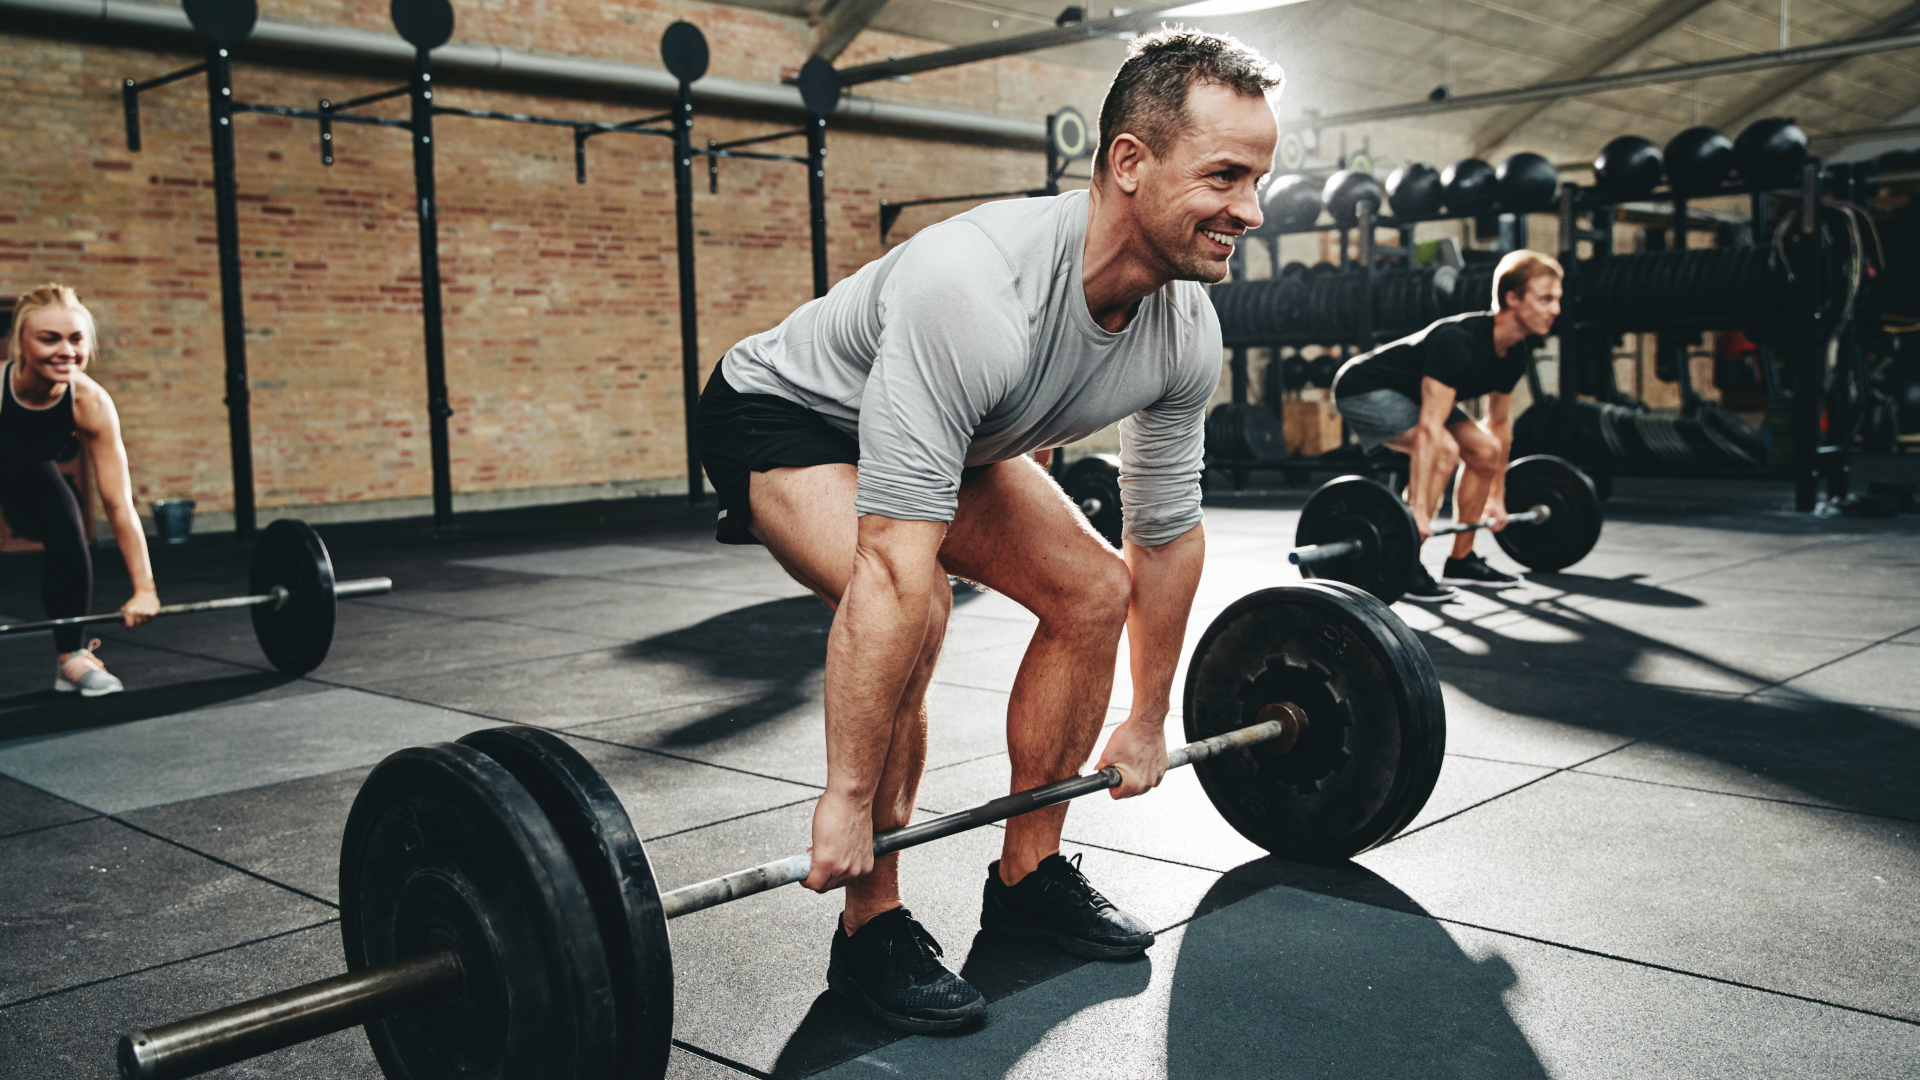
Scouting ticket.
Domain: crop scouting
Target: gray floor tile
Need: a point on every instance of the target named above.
(227, 748)
(159, 683)
(24, 808)
(1883, 567)
(71, 1035)
(1844, 756)
(1886, 675)
(1789, 898)
(1555, 720)
(668, 795)
(288, 832)
(500, 595)
(104, 900)
(656, 614)
(1351, 990)
(1859, 618)
(1555, 637)
(590, 561)
(750, 976)
(583, 688)
(782, 732)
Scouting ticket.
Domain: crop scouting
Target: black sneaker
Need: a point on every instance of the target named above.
(1057, 903)
(891, 966)
(1473, 570)
(1422, 588)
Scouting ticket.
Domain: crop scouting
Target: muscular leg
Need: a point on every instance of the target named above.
(1428, 470)
(806, 520)
(1480, 452)
(1017, 534)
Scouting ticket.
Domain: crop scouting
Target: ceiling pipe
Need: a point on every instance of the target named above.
(1732, 65)
(479, 59)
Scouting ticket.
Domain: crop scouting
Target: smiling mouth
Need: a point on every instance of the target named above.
(1225, 240)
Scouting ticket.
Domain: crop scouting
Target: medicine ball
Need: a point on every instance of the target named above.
(1629, 167)
(1346, 190)
(1414, 190)
(1469, 186)
(1526, 181)
(1291, 202)
(1770, 152)
(1698, 159)
(1321, 370)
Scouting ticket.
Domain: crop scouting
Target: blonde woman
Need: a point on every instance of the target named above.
(49, 399)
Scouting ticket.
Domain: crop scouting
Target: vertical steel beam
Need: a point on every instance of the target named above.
(233, 319)
(689, 316)
(817, 197)
(420, 93)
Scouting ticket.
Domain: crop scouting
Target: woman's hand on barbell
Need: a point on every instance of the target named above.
(141, 609)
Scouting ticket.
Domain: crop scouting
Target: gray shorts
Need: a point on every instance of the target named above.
(1377, 417)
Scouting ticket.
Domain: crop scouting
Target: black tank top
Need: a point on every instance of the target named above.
(33, 435)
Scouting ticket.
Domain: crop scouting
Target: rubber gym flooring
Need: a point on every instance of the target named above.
(1675, 834)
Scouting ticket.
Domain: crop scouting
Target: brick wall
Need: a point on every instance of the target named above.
(563, 354)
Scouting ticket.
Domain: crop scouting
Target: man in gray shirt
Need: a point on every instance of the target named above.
(879, 440)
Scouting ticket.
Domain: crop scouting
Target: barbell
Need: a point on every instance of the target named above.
(501, 916)
(291, 593)
(1354, 530)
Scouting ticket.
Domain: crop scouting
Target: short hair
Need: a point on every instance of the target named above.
(52, 294)
(1517, 270)
(1148, 98)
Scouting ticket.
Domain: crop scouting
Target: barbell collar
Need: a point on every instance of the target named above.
(201, 1043)
(769, 876)
(1313, 553)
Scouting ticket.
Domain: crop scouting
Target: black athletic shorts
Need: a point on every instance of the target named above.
(740, 434)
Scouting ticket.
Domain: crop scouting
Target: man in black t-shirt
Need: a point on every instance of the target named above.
(1404, 396)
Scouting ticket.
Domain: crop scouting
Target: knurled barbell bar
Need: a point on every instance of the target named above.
(501, 917)
(1355, 530)
(293, 594)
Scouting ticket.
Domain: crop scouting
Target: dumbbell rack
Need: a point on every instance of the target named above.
(1802, 322)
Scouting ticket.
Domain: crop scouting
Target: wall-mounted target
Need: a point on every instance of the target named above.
(819, 86)
(1067, 133)
(225, 21)
(683, 48)
(426, 24)
(1293, 152)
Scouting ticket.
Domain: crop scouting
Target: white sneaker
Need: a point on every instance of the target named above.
(83, 671)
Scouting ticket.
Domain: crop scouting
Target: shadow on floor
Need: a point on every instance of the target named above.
(1835, 753)
(1346, 992)
(49, 713)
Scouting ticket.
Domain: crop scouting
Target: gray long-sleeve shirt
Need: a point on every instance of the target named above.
(972, 343)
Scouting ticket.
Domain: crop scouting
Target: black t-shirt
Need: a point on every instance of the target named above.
(1457, 351)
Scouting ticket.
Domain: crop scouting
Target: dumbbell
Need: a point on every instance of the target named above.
(501, 917)
(293, 594)
(1354, 530)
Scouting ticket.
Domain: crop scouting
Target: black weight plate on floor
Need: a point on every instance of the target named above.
(445, 849)
(1356, 508)
(1572, 529)
(297, 634)
(1093, 483)
(613, 866)
(1376, 726)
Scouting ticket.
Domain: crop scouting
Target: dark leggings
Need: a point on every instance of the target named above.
(39, 505)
